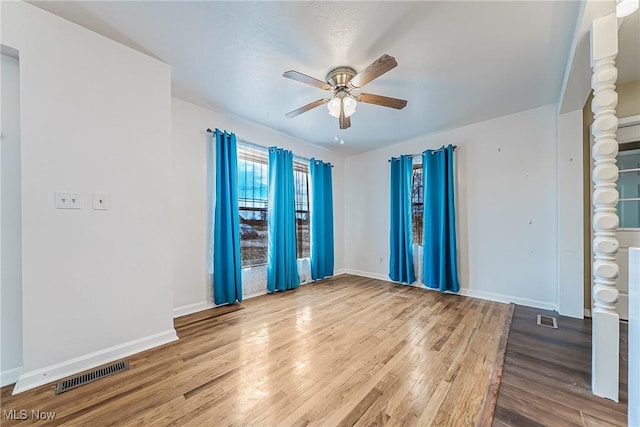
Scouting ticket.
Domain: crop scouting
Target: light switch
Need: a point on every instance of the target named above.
(101, 201)
(65, 200)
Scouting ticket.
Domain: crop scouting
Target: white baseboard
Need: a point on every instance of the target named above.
(257, 294)
(192, 308)
(205, 305)
(367, 274)
(10, 376)
(491, 296)
(32, 379)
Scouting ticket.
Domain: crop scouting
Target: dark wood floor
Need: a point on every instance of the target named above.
(547, 376)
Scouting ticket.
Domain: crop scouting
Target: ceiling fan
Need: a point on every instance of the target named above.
(340, 82)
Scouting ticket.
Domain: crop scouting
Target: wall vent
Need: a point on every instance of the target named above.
(91, 376)
(548, 321)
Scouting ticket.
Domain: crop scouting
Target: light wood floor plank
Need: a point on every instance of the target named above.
(345, 351)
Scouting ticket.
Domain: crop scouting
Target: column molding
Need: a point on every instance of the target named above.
(605, 332)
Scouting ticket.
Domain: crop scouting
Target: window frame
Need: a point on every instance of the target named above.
(250, 153)
(625, 149)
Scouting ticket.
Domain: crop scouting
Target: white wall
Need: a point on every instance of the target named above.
(11, 277)
(506, 206)
(95, 116)
(570, 215)
(633, 358)
(193, 157)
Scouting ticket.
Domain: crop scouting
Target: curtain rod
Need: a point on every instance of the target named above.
(262, 147)
(420, 154)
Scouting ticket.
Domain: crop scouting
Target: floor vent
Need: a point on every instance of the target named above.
(548, 321)
(94, 375)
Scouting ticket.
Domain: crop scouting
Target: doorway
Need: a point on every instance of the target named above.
(10, 222)
(628, 233)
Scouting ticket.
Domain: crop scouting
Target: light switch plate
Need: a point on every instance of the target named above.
(68, 200)
(101, 201)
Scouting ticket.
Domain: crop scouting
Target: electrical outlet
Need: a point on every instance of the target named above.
(65, 200)
(380, 260)
(101, 201)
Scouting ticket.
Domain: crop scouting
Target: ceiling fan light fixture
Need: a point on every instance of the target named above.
(626, 7)
(334, 107)
(349, 104)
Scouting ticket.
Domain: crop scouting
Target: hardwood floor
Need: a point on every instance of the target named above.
(546, 379)
(346, 351)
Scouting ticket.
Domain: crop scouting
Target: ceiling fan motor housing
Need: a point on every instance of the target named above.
(340, 77)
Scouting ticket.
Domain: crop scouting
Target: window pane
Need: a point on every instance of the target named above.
(629, 188)
(629, 213)
(252, 201)
(417, 207)
(303, 231)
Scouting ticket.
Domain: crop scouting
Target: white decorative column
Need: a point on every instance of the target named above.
(605, 332)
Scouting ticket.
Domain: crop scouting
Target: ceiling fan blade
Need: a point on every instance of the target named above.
(345, 122)
(303, 78)
(307, 107)
(373, 71)
(385, 101)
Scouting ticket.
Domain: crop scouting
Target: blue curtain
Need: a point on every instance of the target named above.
(401, 241)
(440, 252)
(227, 275)
(321, 220)
(282, 266)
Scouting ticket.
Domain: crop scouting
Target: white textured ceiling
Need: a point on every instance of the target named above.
(459, 62)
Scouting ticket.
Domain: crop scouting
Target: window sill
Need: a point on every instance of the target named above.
(265, 264)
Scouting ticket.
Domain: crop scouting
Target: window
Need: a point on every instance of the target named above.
(253, 179)
(628, 161)
(303, 230)
(417, 204)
